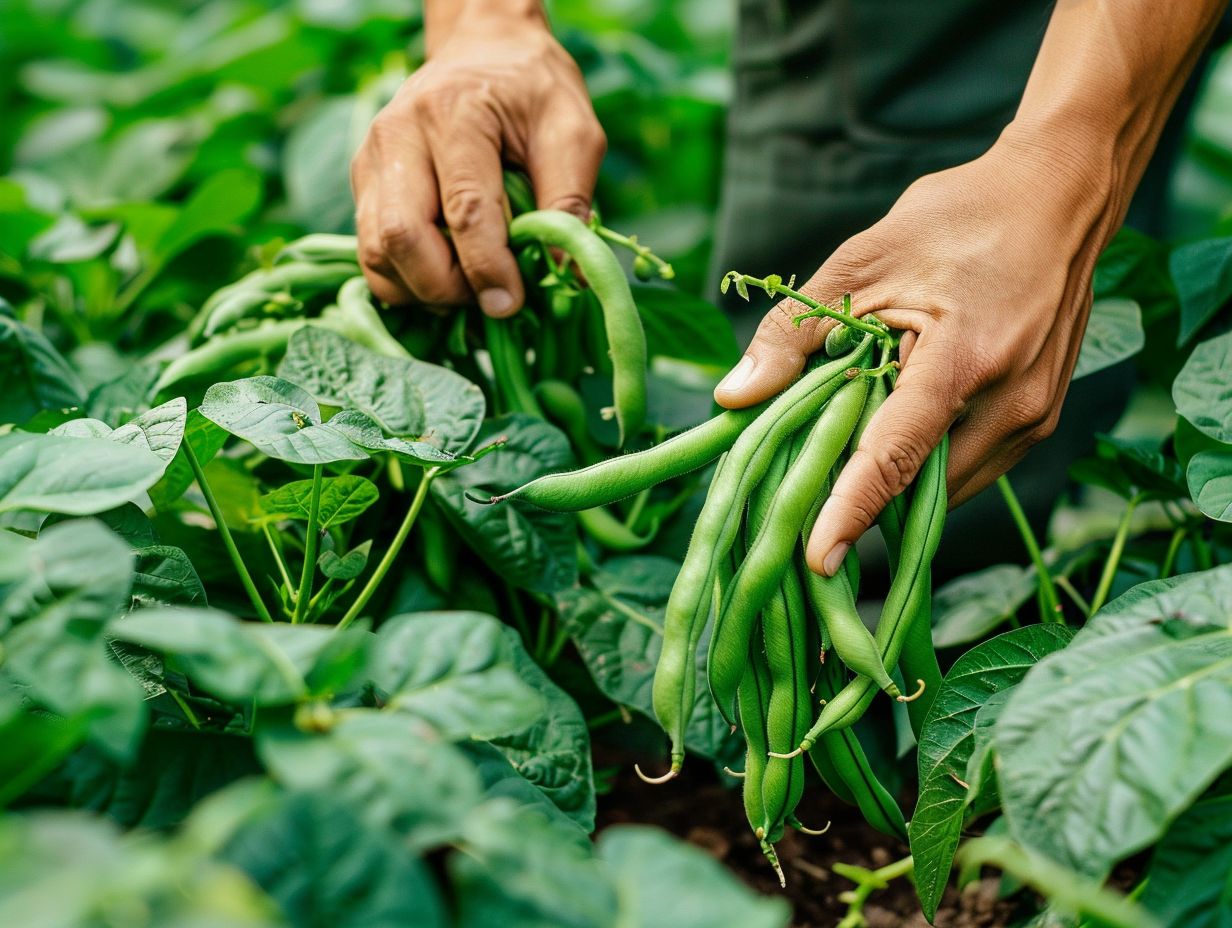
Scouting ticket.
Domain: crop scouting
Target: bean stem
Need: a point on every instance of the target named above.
(774, 284)
(1078, 598)
(867, 882)
(1174, 546)
(1050, 607)
(1114, 556)
(630, 242)
(278, 558)
(312, 539)
(228, 542)
(408, 521)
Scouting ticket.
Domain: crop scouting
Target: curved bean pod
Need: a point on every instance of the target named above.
(626, 338)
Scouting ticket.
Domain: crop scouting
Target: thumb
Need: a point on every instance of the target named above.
(893, 448)
(774, 358)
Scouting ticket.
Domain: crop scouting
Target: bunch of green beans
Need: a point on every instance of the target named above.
(790, 662)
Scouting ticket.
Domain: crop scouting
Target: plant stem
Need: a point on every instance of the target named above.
(817, 309)
(1079, 600)
(278, 559)
(185, 708)
(312, 540)
(421, 494)
(227, 540)
(1050, 609)
(867, 882)
(1114, 557)
(664, 269)
(1174, 546)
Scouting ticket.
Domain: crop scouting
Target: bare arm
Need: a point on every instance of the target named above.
(987, 266)
(496, 89)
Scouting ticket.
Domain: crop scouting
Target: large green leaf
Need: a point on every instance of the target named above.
(166, 577)
(1202, 272)
(56, 596)
(389, 767)
(1114, 333)
(342, 499)
(1103, 744)
(662, 882)
(1189, 882)
(1210, 483)
(529, 547)
(946, 743)
(79, 476)
(1128, 468)
(158, 431)
(279, 419)
(455, 671)
(326, 867)
(969, 607)
(554, 751)
(617, 626)
(405, 397)
(521, 869)
(1202, 391)
(36, 376)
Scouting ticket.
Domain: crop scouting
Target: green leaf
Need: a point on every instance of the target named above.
(33, 742)
(617, 627)
(158, 431)
(1209, 475)
(662, 882)
(325, 866)
(453, 670)
(946, 743)
(1189, 882)
(1104, 743)
(527, 546)
(387, 766)
(553, 752)
(1202, 272)
(222, 655)
(216, 205)
(1125, 467)
(363, 432)
(1114, 333)
(1069, 892)
(79, 476)
(679, 325)
(347, 567)
(969, 607)
(279, 419)
(166, 577)
(317, 152)
(405, 397)
(65, 868)
(1201, 392)
(521, 869)
(342, 499)
(36, 376)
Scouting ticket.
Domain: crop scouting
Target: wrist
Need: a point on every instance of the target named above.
(443, 19)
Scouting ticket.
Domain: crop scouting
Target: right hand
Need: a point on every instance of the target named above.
(495, 92)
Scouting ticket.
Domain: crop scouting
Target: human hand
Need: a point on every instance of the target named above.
(986, 268)
(499, 89)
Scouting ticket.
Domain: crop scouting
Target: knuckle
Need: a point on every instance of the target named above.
(372, 256)
(592, 138)
(896, 462)
(463, 206)
(1044, 429)
(396, 239)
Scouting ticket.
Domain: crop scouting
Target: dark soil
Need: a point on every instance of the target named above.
(709, 815)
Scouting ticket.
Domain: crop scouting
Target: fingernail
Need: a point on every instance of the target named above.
(739, 375)
(834, 560)
(496, 302)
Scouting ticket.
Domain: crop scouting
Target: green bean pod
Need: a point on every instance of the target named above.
(617, 478)
(835, 602)
(790, 711)
(613, 534)
(509, 371)
(770, 555)
(626, 338)
(715, 531)
(320, 248)
(355, 311)
(754, 702)
(250, 293)
(840, 760)
(908, 597)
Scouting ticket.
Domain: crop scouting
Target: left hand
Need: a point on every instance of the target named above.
(986, 268)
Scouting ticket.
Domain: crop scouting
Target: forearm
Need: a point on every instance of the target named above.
(1107, 75)
(442, 17)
